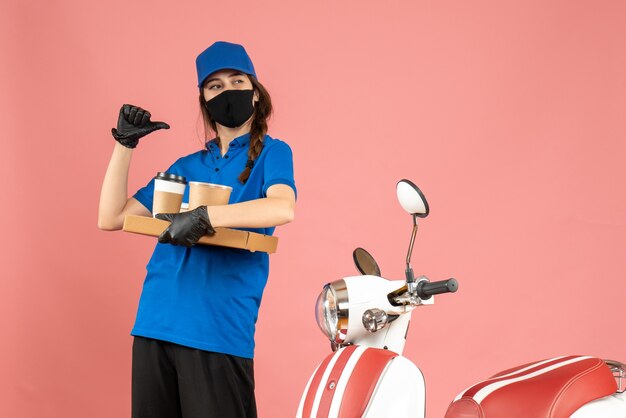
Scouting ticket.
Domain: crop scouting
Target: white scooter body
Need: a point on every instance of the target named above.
(612, 406)
(380, 396)
(393, 386)
(366, 319)
(377, 395)
(367, 292)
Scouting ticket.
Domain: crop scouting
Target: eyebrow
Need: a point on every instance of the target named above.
(217, 79)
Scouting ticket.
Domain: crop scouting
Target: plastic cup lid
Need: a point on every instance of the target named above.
(170, 177)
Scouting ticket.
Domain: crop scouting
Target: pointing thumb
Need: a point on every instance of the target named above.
(160, 125)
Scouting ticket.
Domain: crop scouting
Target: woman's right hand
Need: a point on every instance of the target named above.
(133, 123)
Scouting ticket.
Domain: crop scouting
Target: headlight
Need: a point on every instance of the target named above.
(326, 312)
(331, 311)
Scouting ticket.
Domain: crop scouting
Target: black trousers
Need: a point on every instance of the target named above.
(174, 381)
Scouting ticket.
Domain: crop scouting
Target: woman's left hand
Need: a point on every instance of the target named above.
(186, 228)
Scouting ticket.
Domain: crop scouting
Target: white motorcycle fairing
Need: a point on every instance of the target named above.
(358, 381)
(371, 291)
(612, 406)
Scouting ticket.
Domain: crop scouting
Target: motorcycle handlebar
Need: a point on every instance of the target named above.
(426, 289)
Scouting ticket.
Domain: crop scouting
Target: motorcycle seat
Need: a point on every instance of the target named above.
(552, 388)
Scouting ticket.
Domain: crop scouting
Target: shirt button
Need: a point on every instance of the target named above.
(218, 158)
(225, 156)
(217, 169)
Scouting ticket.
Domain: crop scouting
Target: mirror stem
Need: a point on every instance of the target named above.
(409, 271)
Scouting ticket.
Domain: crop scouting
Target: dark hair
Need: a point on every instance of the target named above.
(258, 128)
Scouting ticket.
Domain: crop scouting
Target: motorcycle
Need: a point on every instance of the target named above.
(366, 319)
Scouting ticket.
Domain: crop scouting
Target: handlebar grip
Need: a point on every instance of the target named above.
(426, 289)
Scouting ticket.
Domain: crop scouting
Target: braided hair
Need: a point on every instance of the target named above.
(258, 128)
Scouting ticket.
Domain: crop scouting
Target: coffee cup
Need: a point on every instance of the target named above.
(168, 193)
(208, 194)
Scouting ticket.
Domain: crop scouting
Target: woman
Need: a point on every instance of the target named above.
(194, 332)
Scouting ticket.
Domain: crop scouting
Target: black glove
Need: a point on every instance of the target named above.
(186, 227)
(133, 123)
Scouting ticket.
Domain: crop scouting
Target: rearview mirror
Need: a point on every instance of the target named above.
(411, 198)
(365, 263)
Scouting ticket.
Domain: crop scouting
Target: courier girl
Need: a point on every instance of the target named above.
(193, 345)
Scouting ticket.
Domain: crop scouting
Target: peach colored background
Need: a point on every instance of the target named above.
(509, 115)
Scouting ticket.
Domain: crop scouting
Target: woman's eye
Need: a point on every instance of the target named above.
(238, 81)
(214, 85)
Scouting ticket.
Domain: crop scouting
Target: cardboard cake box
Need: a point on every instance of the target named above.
(226, 237)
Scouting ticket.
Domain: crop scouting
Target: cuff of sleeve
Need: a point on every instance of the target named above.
(280, 181)
(144, 200)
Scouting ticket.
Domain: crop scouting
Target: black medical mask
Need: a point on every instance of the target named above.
(231, 108)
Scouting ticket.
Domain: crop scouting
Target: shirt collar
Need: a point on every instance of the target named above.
(240, 141)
